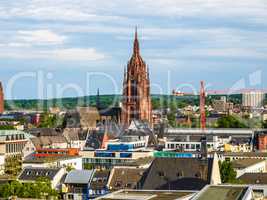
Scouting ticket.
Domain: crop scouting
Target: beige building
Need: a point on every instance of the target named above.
(253, 99)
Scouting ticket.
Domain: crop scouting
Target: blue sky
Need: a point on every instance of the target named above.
(183, 41)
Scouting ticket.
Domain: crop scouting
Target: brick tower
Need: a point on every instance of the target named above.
(136, 89)
(1, 99)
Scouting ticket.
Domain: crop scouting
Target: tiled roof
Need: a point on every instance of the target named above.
(44, 132)
(40, 142)
(100, 180)
(125, 178)
(74, 134)
(83, 117)
(178, 174)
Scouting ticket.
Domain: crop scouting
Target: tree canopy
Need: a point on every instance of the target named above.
(228, 174)
(39, 189)
(230, 122)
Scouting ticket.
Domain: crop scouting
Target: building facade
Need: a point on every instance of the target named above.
(136, 89)
(253, 99)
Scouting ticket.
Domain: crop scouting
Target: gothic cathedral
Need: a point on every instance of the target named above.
(136, 89)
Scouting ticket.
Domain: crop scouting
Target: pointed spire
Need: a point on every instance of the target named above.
(124, 74)
(97, 99)
(136, 43)
(147, 72)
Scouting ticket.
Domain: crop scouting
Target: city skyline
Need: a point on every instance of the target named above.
(181, 44)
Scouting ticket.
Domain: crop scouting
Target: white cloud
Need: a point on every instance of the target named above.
(40, 37)
(229, 53)
(72, 54)
(121, 10)
(78, 54)
(65, 10)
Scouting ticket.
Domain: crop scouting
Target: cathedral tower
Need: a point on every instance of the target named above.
(1, 99)
(136, 89)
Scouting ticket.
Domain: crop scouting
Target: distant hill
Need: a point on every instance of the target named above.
(158, 101)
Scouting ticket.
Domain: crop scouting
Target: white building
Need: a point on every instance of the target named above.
(253, 99)
(242, 166)
(63, 162)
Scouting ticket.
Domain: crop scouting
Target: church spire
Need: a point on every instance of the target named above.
(97, 99)
(136, 43)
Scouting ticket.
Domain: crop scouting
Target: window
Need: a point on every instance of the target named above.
(198, 175)
(118, 184)
(179, 174)
(161, 173)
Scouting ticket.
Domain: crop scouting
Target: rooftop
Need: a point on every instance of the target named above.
(145, 194)
(177, 173)
(49, 159)
(254, 178)
(244, 163)
(79, 176)
(215, 131)
(15, 132)
(32, 173)
(125, 177)
(222, 193)
(244, 154)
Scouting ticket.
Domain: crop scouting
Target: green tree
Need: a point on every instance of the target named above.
(6, 127)
(230, 122)
(39, 189)
(69, 168)
(228, 174)
(172, 119)
(264, 124)
(48, 121)
(88, 166)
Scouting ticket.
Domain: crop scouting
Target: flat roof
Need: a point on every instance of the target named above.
(223, 193)
(15, 132)
(244, 163)
(49, 159)
(244, 154)
(146, 195)
(237, 131)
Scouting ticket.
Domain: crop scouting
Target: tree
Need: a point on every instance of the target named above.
(228, 174)
(172, 119)
(264, 124)
(230, 122)
(69, 168)
(40, 189)
(7, 127)
(48, 121)
(88, 166)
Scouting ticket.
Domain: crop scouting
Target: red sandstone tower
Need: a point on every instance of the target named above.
(136, 89)
(1, 99)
